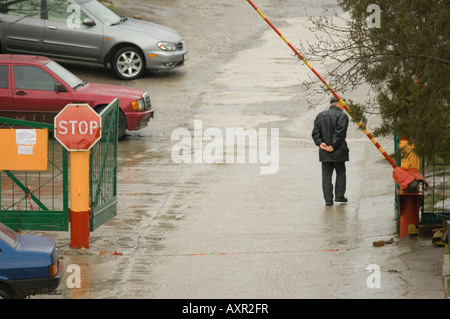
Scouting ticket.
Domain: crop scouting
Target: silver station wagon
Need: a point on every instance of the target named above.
(86, 30)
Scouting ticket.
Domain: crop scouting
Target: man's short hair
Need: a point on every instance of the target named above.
(334, 100)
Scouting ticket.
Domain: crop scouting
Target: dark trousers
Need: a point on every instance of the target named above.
(327, 184)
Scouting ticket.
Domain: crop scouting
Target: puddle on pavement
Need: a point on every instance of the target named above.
(232, 121)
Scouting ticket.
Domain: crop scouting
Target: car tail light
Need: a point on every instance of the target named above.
(53, 269)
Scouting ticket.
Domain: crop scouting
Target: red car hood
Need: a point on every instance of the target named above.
(111, 90)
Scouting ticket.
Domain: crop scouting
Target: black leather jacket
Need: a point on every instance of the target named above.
(330, 127)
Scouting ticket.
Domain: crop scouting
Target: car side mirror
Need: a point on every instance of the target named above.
(59, 87)
(88, 22)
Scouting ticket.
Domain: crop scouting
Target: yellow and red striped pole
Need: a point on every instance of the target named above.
(342, 102)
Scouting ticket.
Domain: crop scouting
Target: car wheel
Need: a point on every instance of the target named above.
(122, 121)
(5, 294)
(122, 124)
(128, 63)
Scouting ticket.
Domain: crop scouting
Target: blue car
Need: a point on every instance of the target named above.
(29, 265)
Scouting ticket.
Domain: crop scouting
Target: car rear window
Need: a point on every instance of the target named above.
(4, 77)
(8, 235)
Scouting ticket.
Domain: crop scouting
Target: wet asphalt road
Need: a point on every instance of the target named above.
(226, 230)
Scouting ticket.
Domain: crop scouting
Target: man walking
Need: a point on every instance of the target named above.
(329, 133)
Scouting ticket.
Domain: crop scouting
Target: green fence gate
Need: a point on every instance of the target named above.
(103, 168)
(436, 203)
(39, 200)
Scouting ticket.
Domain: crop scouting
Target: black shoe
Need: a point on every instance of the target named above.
(341, 200)
(329, 204)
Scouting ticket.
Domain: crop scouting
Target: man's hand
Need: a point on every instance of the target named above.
(326, 147)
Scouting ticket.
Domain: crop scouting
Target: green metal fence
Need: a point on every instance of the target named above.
(103, 168)
(436, 202)
(36, 200)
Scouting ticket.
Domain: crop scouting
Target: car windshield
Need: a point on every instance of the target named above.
(8, 235)
(64, 74)
(101, 12)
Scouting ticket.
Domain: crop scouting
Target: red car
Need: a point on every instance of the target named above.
(36, 88)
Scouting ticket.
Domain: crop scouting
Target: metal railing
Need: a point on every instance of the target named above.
(436, 202)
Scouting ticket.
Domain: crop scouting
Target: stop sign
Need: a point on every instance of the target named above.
(78, 127)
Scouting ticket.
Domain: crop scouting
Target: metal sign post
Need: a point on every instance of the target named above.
(78, 128)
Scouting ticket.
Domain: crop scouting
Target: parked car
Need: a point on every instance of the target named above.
(88, 31)
(29, 265)
(37, 88)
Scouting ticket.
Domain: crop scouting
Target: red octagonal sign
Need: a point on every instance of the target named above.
(78, 127)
